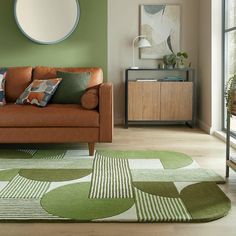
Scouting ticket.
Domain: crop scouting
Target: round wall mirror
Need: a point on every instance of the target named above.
(47, 21)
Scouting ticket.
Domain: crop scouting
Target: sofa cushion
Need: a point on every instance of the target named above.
(2, 86)
(90, 99)
(17, 80)
(71, 87)
(39, 92)
(42, 72)
(54, 115)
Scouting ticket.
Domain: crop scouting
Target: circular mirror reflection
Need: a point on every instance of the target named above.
(47, 21)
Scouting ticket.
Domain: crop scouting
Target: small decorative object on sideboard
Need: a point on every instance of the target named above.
(173, 79)
(161, 65)
(170, 61)
(181, 57)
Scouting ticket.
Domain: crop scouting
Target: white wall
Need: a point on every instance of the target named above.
(210, 65)
(204, 65)
(216, 67)
(201, 37)
(123, 26)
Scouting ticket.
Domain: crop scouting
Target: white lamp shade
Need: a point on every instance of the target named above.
(143, 43)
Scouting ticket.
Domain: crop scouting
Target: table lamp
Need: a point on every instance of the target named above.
(142, 43)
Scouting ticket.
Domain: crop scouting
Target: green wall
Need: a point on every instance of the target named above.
(86, 47)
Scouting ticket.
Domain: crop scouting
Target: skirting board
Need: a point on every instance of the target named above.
(205, 127)
(222, 136)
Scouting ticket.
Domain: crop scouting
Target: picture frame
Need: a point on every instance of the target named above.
(161, 24)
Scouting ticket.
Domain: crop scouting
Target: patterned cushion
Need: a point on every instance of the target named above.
(39, 92)
(3, 73)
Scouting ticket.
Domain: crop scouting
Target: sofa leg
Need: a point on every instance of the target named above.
(91, 147)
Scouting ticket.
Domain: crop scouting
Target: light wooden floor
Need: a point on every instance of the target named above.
(208, 151)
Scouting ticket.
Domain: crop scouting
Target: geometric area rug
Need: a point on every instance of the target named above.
(112, 186)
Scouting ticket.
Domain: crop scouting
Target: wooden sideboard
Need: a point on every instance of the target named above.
(156, 102)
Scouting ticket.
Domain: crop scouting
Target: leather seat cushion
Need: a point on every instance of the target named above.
(54, 115)
(17, 80)
(42, 72)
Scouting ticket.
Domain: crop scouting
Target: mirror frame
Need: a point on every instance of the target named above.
(54, 42)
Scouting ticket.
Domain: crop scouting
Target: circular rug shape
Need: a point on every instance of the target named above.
(205, 201)
(161, 189)
(170, 160)
(50, 175)
(72, 201)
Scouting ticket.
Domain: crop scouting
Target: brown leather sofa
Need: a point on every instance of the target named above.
(56, 123)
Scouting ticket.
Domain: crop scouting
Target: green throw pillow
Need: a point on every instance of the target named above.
(71, 87)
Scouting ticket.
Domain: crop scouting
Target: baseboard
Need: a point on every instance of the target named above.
(222, 136)
(205, 127)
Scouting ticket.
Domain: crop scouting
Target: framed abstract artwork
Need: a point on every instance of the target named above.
(161, 25)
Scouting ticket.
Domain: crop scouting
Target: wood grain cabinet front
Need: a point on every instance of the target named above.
(160, 101)
(177, 101)
(144, 101)
(160, 96)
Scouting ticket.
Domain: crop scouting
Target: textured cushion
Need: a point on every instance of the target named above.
(53, 115)
(43, 72)
(17, 80)
(71, 88)
(39, 92)
(2, 86)
(90, 99)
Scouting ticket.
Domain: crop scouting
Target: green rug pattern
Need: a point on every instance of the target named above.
(112, 186)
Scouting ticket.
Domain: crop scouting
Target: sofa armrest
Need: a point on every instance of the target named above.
(106, 112)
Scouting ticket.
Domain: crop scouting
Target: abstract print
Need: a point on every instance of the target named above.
(161, 25)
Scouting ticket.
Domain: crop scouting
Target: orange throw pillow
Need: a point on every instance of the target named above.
(90, 99)
(39, 92)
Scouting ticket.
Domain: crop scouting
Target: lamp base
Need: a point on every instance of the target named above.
(134, 67)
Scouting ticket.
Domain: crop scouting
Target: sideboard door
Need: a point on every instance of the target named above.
(176, 101)
(144, 101)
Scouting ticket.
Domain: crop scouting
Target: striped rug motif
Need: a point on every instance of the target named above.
(111, 178)
(22, 188)
(28, 151)
(153, 208)
(20, 209)
(49, 154)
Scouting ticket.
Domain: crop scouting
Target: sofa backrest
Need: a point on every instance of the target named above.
(17, 80)
(42, 72)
